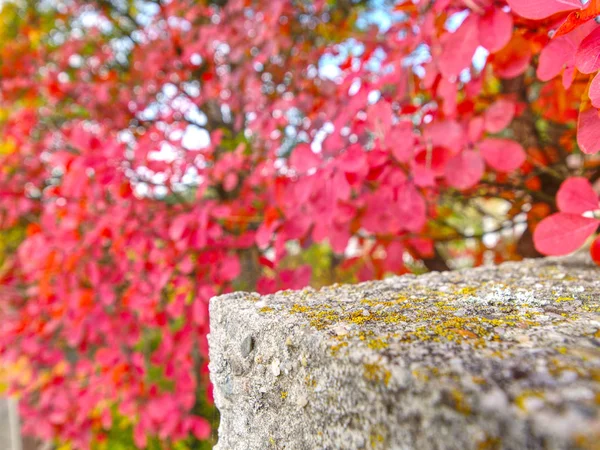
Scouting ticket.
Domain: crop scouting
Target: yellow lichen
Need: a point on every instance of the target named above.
(377, 344)
(419, 375)
(310, 381)
(376, 373)
(299, 309)
(376, 439)
(490, 443)
(521, 399)
(459, 402)
(467, 291)
(564, 299)
(336, 347)
(386, 303)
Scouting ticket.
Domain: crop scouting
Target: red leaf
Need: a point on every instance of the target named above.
(563, 233)
(540, 9)
(303, 158)
(502, 155)
(465, 170)
(588, 130)
(587, 58)
(495, 29)
(595, 251)
(433, 159)
(576, 196)
(499, 115)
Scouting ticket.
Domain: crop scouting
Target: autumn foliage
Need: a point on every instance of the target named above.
(154, 154)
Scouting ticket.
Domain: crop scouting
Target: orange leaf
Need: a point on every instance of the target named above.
(577, 18)
(33, 228)
(408, 7)
(86, 299)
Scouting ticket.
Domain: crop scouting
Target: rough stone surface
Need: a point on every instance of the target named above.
(490, 358)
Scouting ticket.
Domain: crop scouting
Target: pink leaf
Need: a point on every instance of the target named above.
(499, 115)
(441, 5)
(230, 268)
(448, 91)
(587, 58)
(340, 186)
(594, 92)
(353, 160)
(303, 158)
(476, 128)
(563, 233)
(588, 131)
(380, 118)
(139, 436)
(230, 181)
(178, 227)
(576, 196)
(459, 47)
(200, 427)
(495, 29)
(502, 155)
(412, 208)
(568, 76)
(338, 239)
(558, 54)
(295, 278)
(394, 261)
(199, 312)
(265, 233)
(447, 133)
(465, 170)
(540, 9)
(401, 141)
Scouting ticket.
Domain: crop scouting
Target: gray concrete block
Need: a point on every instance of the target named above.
(489, 358)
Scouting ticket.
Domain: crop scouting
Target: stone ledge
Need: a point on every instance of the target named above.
(505, 357)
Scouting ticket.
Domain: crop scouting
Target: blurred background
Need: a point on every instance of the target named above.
(154, 154)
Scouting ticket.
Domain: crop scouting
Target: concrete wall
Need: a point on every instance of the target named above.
(505, 357)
